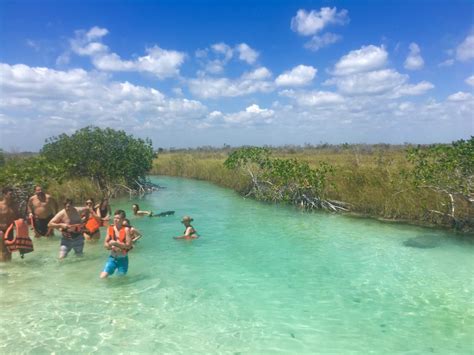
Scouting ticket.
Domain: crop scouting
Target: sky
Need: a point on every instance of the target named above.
(209, 73)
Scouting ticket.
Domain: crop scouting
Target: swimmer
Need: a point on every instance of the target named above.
(189, 232)
(137, 212)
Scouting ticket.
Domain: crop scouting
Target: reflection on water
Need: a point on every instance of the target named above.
(261, 279)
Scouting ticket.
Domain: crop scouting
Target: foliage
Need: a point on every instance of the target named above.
(283, 180)
(2, 158)
(446, 169)
(106, 156)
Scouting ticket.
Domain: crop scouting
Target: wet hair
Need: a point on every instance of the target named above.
(121, 213)
(68, 200)
(136, 205)
(6, 190)
(127, 221)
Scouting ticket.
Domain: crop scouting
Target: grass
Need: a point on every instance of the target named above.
(370, 178)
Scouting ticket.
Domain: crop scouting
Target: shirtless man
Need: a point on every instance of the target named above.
(8, 213)
(71, 225)
(42, 207)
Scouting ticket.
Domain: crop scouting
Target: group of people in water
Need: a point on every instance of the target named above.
(76, 224)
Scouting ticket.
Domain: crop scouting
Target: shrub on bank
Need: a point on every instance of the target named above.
(375, 180)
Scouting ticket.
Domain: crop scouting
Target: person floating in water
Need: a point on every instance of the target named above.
(119, 242)
(137, 212)
(134, 233)
(189, 232)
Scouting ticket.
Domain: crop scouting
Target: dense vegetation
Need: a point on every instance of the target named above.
(382, 181)
(92, 162)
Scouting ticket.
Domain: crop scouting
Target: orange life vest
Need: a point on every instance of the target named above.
(21, 241)
(93, 224)
(122, 238)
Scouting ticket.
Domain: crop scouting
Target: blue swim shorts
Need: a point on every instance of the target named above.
(118, 263)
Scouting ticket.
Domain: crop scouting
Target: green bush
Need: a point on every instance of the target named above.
(106, 156)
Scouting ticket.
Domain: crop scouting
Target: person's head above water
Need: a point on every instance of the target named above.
(119, 216)
(135, 208)
(126, 223)
(186, 220)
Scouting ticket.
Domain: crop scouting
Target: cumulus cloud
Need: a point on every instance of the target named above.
(253, 115)
(63, 100)
(369, 83)
(217, 56)
(465, 51)
(248, 83)
(314, 98)
(158, 61)
(309, 23)
(413, 89)
(470, 80)
(261, 73)
(246, 53)
(318, 42)
(460, 96)
(361, 60)
(414, 60)
(298, 76)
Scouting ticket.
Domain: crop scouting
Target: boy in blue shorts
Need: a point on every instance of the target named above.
(119, 242)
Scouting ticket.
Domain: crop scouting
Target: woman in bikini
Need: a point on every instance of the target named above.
(189, 232)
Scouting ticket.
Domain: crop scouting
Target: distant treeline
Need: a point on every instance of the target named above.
(292, 149)
(424, 184)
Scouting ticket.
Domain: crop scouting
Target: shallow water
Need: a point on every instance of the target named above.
(261, 279)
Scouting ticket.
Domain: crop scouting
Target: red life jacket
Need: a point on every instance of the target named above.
(17, 239)
(121, 238)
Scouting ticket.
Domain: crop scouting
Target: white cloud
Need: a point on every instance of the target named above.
(248, 83)
(470, 80)
(465, 51)
(414, 60)
(96, 33)
(160, 62)
(246, 53)
(223, 49)
(314, 98)
(370, 83)
(251, 116)
(461, 96)
(361, 60)
(64, 100)
(413, 90)
(446, 63)
(261, 73)
(309, 23)
(215, 58)
(298, 76)
(318, 42)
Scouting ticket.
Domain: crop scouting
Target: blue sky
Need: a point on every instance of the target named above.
(194, 73)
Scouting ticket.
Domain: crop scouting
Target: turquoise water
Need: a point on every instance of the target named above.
(261, 279)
